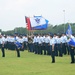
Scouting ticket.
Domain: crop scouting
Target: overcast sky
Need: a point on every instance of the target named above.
(12, 12)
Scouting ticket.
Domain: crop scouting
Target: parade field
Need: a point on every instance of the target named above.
(33, 64)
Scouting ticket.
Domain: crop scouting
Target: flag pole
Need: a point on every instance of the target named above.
(64, 20)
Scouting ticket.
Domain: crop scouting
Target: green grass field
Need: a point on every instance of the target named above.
(33, 64)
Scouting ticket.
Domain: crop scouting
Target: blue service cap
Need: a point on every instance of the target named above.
(51, 35)
(15, 33)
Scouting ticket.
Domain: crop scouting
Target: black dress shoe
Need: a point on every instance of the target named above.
(53, 61)
(72, 62)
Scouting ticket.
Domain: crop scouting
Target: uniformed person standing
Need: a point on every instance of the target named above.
(30, 44)
(43, 44)
(72, 49)
(12, 40)
(39, 45)
(18, 45)
(35, 44)
(59, 45)
(5, 42)
(25, 39)
(64, 41)
(51, 42)
(46, 45)
(2, 46)
(55, 41)
(72, 54)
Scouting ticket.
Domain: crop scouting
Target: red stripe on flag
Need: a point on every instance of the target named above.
(28, 25)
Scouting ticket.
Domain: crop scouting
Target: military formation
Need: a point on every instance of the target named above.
(46, 44)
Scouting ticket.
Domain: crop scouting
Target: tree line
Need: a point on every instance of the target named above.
(51, 29)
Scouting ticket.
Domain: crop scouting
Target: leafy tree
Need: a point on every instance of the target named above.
(50, 29)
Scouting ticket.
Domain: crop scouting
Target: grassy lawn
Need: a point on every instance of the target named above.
(33, 64)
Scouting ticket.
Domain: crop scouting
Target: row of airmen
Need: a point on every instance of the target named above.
(10, 43)
(44, 42)
(54, 45)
